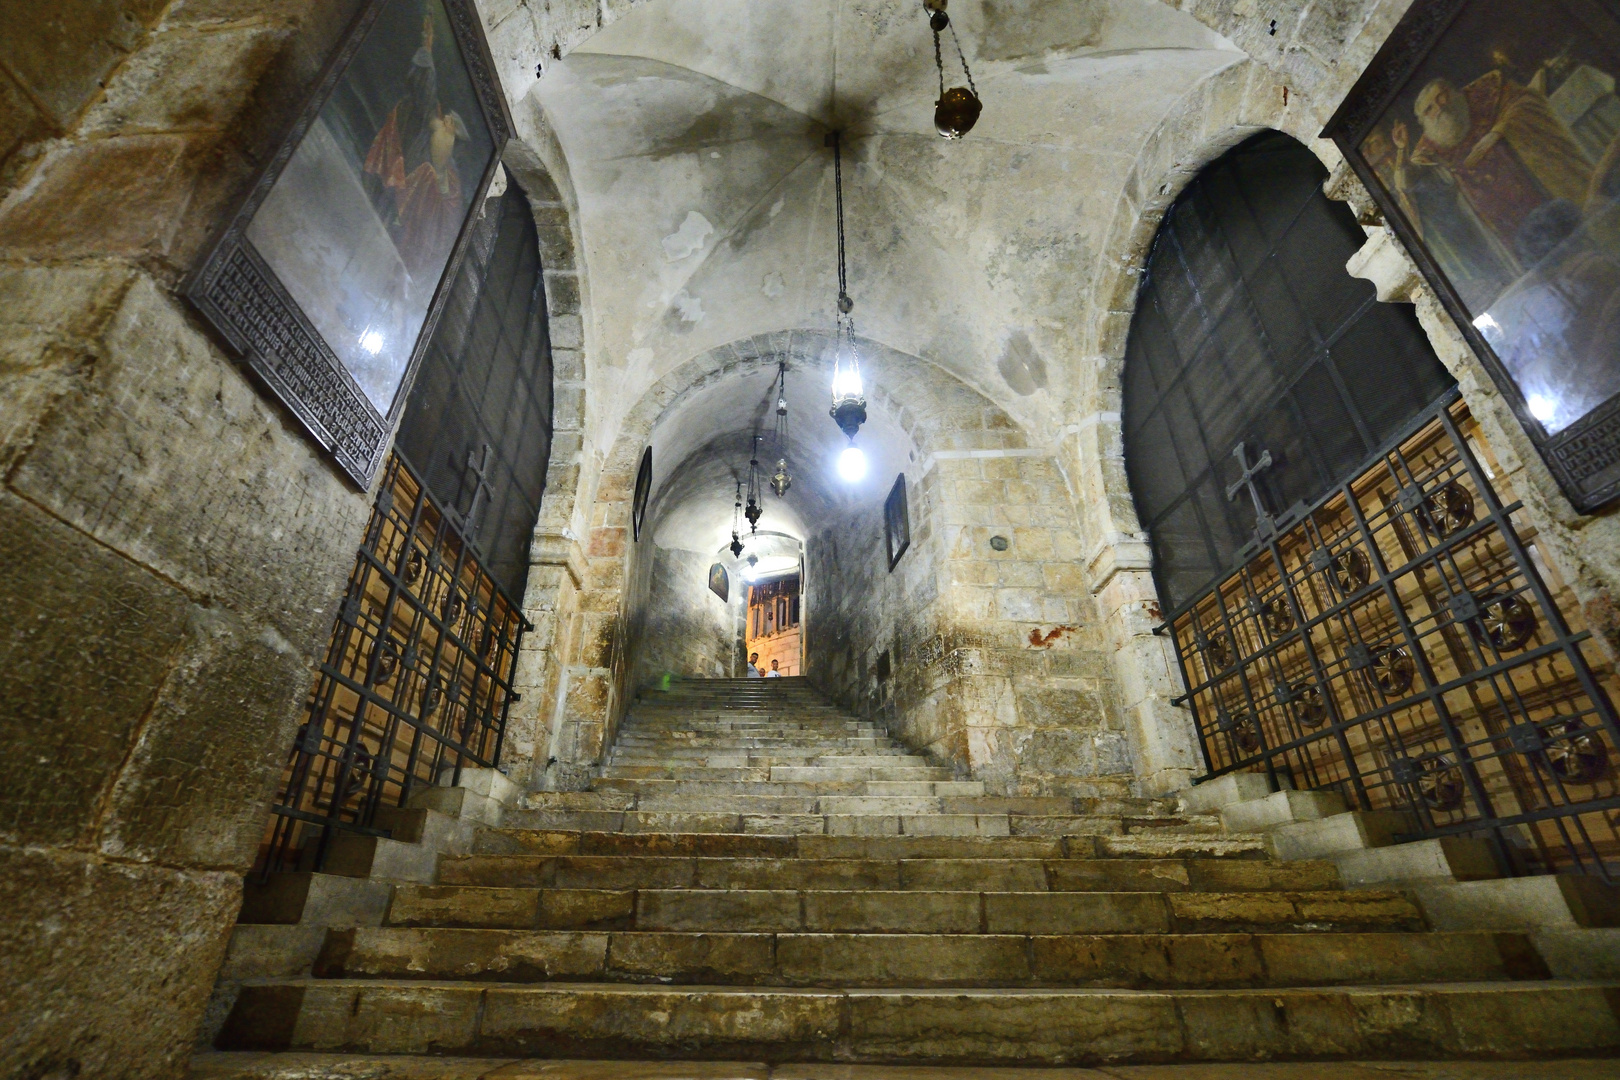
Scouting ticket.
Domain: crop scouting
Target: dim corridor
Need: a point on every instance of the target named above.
(757, 876)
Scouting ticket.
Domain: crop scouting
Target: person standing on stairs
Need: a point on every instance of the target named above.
(773, 673)
(753, 666)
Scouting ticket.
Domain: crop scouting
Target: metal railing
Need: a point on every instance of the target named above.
(416, 683)
(1400, 643)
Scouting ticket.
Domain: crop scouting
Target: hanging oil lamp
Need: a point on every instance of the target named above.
(780, 480)
(754, 511)
(736, 525)
(848, 395)
(958, 108)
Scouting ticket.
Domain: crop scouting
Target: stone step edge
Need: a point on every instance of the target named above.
(991, 913)
(911, 1025)
(1027, 961)
(1079, 848)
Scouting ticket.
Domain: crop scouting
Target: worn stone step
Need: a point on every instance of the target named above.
(724, 720)
(867, 824)
(252, 1065)
(511, 841)
(940, 788)
(920, 911)
(748, 760)
(1160, 845)
(784, 750)
(693, 717)
(924, 874)
(1074, 859)
(676, 772)
(802, 773)
(671, 872)
(848, 743)
(1128, 960)
(960, 1026)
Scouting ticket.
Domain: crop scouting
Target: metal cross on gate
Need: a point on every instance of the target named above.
(1263, 524)
(479, 470)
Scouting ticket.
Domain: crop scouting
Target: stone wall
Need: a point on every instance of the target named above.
(552, 600)
(995, 664)
(173, 543)
(678, 626)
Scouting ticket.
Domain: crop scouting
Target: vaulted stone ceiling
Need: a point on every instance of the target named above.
(693, 133)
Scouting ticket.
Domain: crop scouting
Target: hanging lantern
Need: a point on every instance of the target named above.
(848, 395)
(958, 108)
(754, 511)
(780, 480)
(736, 525)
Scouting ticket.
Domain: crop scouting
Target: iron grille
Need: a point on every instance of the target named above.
(416, 684)
(1249, 333)
(1401, 645)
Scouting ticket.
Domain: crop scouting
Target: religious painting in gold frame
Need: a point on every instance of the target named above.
(1488, 132)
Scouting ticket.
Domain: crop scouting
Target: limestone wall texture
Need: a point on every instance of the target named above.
(995, 664)
(679, 626)
(172, 543)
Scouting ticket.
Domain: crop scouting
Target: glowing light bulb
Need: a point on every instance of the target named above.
(372, 342)
(1542, 408)
(846, 381)
(852, 465)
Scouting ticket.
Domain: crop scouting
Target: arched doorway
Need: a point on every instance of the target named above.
(1352, 604)
(417, 679)
(774, 624)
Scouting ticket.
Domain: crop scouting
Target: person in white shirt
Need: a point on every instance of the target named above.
(753, 669)
(773, 673)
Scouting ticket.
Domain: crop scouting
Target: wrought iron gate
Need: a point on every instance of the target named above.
(1403, 643)
(416, 684)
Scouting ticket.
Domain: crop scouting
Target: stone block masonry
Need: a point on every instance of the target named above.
(172, 543)
(678, 626)
(995, 662)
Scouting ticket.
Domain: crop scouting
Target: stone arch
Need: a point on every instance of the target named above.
(954, 429)
(1227, 108)
(556, 569)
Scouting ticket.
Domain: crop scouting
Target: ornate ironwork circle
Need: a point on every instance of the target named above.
(1577, 755)
(1447, 511)
(1441, 786)
(1393, 670)
(1351, 571)
(1310, 705)
(1505, 621)
(1275, 614)
(387, 660)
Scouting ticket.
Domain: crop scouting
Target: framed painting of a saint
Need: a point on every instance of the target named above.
(1488, 131)
(330, 277)
(896, 522)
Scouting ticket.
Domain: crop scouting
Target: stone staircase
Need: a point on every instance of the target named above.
(770, 757)
(758, 877)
